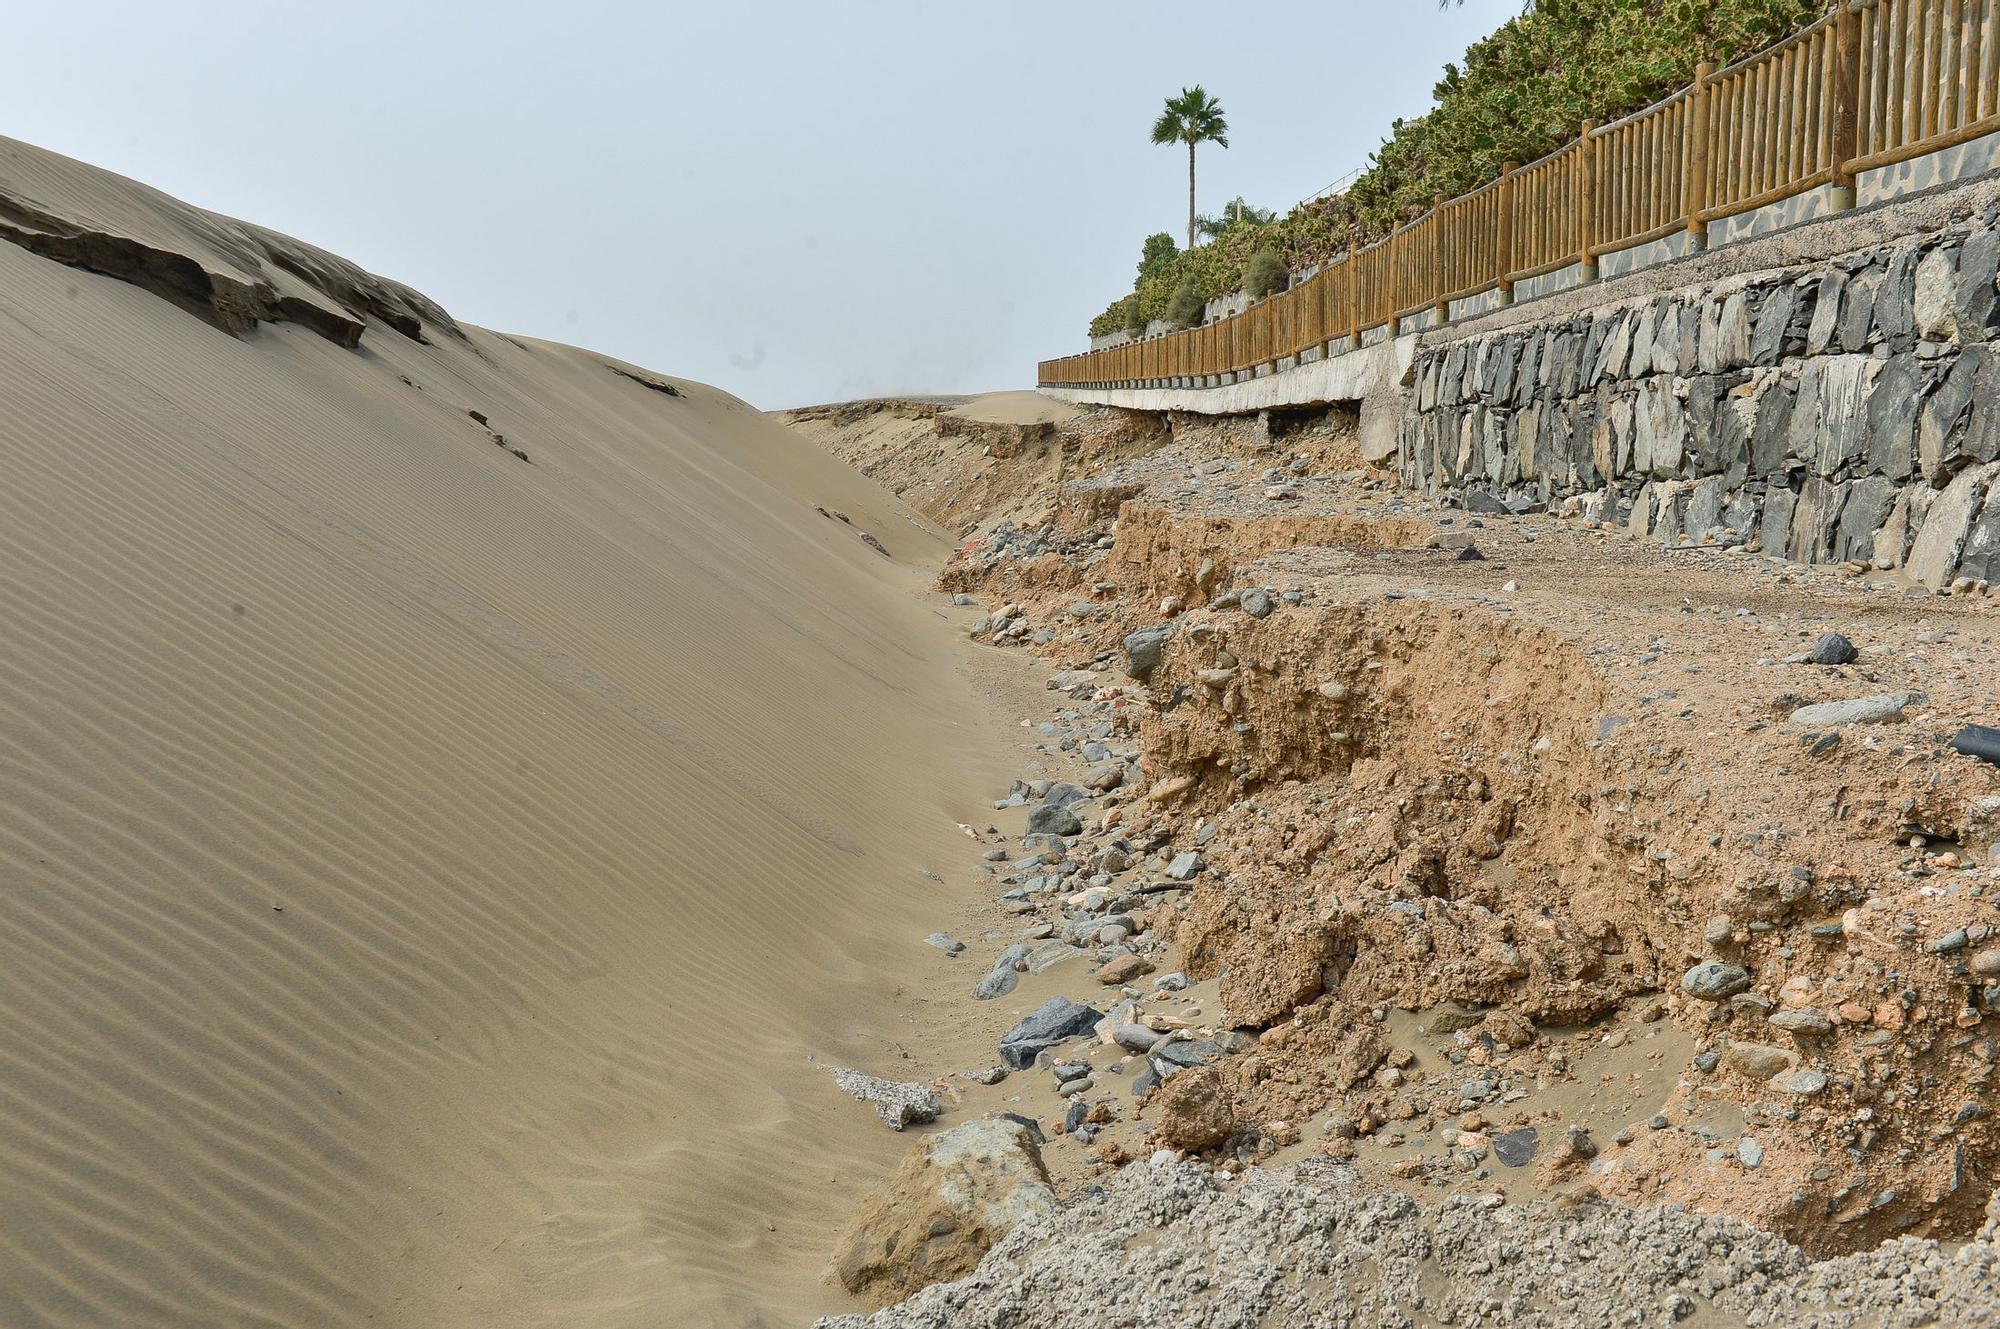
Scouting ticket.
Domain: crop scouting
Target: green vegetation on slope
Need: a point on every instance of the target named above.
(1522, 93)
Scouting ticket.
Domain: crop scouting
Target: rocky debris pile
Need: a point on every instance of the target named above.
(898, 1104)
(1841, 412)
(1372, 823)
(1167, 1243)
(1326, 791)
(1008, 543)
(957, 1194)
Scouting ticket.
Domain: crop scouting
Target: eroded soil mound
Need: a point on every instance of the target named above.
(1552, 796)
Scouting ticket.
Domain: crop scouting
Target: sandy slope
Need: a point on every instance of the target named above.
(424, 874)
(1016, 408)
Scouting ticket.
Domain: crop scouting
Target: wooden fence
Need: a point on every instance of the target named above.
(1873, 83)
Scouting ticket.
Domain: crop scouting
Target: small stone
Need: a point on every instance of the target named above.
(1124, 969)
(1832, 649)
(944, 943)
(1257, 603)
(1713, 980)
(1806, 1083)
(1807, 1021)
(1750, 1152)
(1135, 1037)
(1757, 1061)
(1185, 867)
(1515, 1148)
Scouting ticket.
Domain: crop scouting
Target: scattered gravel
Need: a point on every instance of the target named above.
(1172, 1243)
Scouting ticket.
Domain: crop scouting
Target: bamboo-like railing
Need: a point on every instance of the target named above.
(1873, 83)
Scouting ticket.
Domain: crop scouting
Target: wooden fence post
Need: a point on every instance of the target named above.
(1505, 240)
(1354, 290)
(1846, 101)
(1440, 306)
(1586, 204)
(1701, 131)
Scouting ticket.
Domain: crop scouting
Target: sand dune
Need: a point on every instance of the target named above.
(425, 873)
(1015, 408)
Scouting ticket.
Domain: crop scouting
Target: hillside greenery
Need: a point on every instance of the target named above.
(1520, 94)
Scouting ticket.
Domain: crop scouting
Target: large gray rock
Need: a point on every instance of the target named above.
(1843, 383)
(1895, 301)
(1712, 980)
(1857, 312)
(1831, 649)
(1862, 710)
(1062, 794)
(1892, 418)
(1144, 648)
(1869, 501)
(1822, 332)
(1773, 322)
(1814, 520)
(1000, 980)
(1771, 435)
(1054, 819)
(1725, 334)
(1054, 1022)
(1933, 560)
(1934, 302)
(1981, 556)
(1982, 423)
(1776, 529)
(1978, 302)
(1941, 449)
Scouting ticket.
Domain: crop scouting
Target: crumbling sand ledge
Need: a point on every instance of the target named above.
(1546, 786)
(1172, 1244)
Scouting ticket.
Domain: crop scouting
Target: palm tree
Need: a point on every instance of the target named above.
(1234, 212)
(1191, 118)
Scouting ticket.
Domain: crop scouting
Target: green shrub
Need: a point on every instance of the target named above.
(1264, 274)
(1184, 309)
(1135, 322)
(1159, 251)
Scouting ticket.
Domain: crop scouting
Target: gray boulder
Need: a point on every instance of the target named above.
(1144, 648)
(1862, 710)
(1054, 1022)
(1054, 819)
(1713, 980)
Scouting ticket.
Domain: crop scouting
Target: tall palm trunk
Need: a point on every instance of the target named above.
(1190, 243)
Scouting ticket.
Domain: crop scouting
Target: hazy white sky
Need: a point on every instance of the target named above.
(799, 202)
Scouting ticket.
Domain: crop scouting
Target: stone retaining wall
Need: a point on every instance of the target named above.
(1842, 410)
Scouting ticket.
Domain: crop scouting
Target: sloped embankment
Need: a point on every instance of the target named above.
(1552, 793)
